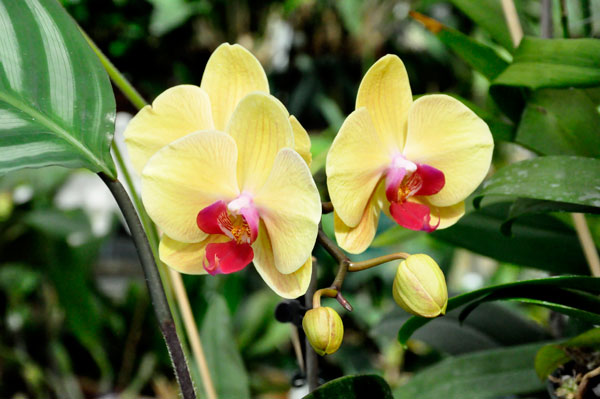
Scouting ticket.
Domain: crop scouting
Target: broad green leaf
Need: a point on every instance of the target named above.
(551, 356)
(523, 206)
(353, 387)
(589, 285)
(487, 374)
(489, 16)
(56, 102)
(562, 122)
(539, 241)
(569, 179)
(222, 354)
(479, 56)
(540, 63)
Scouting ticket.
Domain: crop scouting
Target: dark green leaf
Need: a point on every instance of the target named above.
(56, 102)
(353, 387)
(540, 63)
(562, 122)
(589, 285)
(488, 374)
(548, 359)
(539, 241)
(523, 206)
(569, 179)
(222, 354)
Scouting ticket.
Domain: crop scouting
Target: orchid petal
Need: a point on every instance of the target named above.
(393, 180)
(185, 177)
(230, 74)
(301, 140)
(260, 127)
(446, 216)
(227, 257)
(385, 92)
(357, 239)
(175, 113)
(290, 206)
(432, 179)
(208, 218)
(285, 285)
(356, 161)
(445, 134)
(186, 258)
(412, 215)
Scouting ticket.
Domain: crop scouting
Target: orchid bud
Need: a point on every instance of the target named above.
(324, 329)
(420, 287)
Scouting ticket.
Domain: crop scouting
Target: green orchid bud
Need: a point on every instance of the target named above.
(324, 329)
(420, 287)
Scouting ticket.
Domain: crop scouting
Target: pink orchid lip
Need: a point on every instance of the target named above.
(237, 220)
(405, 179)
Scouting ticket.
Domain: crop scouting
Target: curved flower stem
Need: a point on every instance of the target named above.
(157, 294)
(326, 207)
(343, 262)
(367, 264)
(329, 292)
(182, 299)
(312, 360)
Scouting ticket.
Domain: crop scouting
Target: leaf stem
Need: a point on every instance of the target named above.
(157, 294)
(328, 292)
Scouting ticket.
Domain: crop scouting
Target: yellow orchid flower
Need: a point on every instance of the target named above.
(225, 176)
(416, 161)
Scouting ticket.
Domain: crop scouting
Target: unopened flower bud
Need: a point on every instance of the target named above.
(324, 329)
(420, 287)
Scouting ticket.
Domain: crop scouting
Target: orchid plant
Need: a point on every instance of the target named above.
(225, 172)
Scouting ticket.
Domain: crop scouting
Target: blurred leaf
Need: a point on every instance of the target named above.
(169, 14)
(539, 241)
(562, 122)
(551, 356)
(523, 206)
(18, 280)
(353, 387)
(394, 235)
(494, 325)
(56, 102)
(548, 359)
(520, 289)
(489, 16)
(479, 56)
(482, 375)
(542, 63)
(61, 224)
(568, 179)
(222, 355)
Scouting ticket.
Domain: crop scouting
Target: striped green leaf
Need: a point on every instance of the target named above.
(56, 102)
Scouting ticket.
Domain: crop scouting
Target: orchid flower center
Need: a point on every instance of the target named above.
(405, 179)
(238, 220)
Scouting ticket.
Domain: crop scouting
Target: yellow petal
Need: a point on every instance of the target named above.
(260, 127)
(357, 239)
(231, 72)
(186, 258)
(301, 140)
(290, 206)
(355, 163)
(385, 92)
(285, 285)
(186, 176)
(175, 113)
(448, 215)
(445, 134)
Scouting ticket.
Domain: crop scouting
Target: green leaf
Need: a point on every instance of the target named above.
(487, 374)
(590, 285)
(479, 56)
(222, 354)
(353, 387)
(56, 102)
(539, 241)
(569, 179)
(548, 359)
(555, 63)
(523, 206)
(562, 122)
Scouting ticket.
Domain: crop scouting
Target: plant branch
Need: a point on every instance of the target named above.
(312, 361)
(512, 21)
(159, 300)
(367, 264)
(329, 292)
(343, 262)
(326, 207)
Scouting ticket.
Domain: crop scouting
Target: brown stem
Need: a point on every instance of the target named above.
(584, 382)
(327, 207)
(312, 361)
(367, 264)
(329, 292)
(343, 262)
